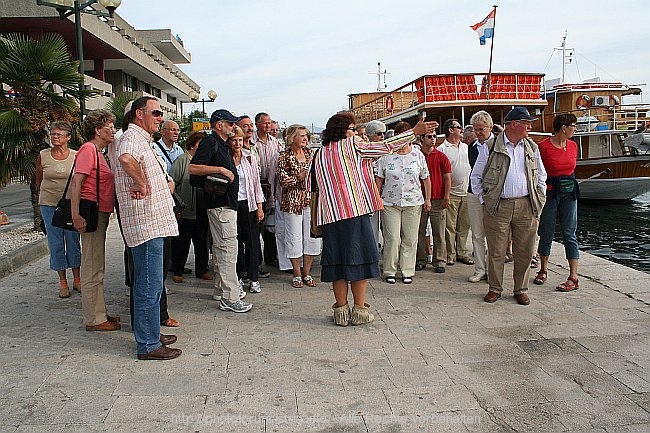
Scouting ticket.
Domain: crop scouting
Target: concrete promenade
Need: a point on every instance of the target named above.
(437, 358)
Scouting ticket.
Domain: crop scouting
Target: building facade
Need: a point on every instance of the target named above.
(117, 57)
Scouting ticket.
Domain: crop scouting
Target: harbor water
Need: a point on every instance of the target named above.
(617, 232)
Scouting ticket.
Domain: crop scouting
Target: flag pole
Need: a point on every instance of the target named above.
(489, 79)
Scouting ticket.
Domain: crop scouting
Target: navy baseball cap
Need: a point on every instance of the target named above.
(519, 113)
(226, 115)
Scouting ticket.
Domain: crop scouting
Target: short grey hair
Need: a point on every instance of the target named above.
(374, 126)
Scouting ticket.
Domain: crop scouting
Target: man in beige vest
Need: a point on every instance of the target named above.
(510, 180)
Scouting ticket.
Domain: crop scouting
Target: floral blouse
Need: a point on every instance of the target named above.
(402, 174)
(295, 196)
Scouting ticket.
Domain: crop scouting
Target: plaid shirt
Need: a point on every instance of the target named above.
(153, 216)
(268, 156)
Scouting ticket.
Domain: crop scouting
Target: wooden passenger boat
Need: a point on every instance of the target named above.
(614, 163)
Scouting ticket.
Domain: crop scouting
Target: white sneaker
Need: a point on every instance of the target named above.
(476, 277)
(216, 297)
(255, 287)
(242, 293)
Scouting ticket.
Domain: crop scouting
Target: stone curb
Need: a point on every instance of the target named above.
(22, 256)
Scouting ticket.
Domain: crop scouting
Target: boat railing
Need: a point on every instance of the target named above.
(451, 89)
(621, 117)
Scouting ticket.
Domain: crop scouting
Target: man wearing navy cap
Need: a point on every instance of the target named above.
(212, 158)
(510, 181)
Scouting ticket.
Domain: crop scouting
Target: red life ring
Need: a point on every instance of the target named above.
(614, 101)
(390, 104)
(583, 102)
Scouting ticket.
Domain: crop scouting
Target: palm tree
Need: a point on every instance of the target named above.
(43, 83)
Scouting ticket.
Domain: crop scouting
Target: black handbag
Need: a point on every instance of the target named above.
(216, 185)
(88, 209)
(179, 205)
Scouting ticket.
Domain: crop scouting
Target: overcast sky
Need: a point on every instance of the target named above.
(298, 60)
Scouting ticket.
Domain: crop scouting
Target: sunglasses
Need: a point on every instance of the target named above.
(430, 137)
(380, 133)
(456, 127)
(154, 113)
(354, 128)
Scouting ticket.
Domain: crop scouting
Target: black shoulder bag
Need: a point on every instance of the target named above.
(88, 209)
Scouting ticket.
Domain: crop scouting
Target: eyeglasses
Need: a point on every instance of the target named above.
(110, 128)
(430, 137)
(57, 135)
(571, 126)
(154, 113)
(354, 128)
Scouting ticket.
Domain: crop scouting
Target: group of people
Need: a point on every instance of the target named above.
(497, 182)
(240, 175)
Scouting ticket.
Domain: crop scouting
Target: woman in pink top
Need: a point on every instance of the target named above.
(98, 127)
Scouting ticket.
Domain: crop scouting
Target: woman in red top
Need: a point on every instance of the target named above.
(98, 127)
(559, 155)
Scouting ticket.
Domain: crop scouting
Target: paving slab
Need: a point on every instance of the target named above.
(437, 358)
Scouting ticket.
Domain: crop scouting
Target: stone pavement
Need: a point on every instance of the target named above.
(437, 358)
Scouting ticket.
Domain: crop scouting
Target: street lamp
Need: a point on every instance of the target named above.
(194, 96)
(76, 7)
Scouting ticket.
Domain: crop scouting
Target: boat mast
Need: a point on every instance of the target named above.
(567, 56)
(489, 80)
(380, 75)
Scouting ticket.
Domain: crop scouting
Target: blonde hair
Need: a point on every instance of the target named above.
(236, 132)
(292, 132)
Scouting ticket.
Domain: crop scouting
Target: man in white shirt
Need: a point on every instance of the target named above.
(482, 123)
(510, 180)
(457, 225)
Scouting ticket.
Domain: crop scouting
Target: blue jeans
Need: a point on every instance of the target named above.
(65, 247)
(147, 288)
(566, 208)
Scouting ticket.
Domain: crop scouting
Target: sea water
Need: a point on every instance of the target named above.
(617, 232)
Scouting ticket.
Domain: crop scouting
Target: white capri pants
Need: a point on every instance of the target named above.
(296, 235)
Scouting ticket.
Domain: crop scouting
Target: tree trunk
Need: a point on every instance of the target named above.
(33, 196)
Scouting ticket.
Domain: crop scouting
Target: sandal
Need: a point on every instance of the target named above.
(391, 279)
(309, 281)
(541, 278)
(407, 280)
(569, 285)
(171, 323)
(534, 262)
(296, 283)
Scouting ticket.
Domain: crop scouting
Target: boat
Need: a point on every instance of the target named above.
(613, 159)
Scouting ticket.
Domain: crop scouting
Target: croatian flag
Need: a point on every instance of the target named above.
(485, 28)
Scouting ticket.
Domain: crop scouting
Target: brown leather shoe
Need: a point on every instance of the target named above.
(106, 326)
(161, 354)
(522, 298)
(168, 339)
(206, 276)
(492, 297)
(178, 278)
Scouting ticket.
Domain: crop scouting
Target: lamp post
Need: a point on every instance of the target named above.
(76, 7)
(194, 96)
